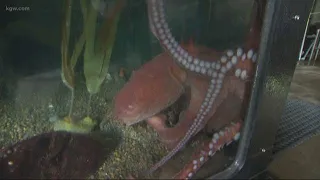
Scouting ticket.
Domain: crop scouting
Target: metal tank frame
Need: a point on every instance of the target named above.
(284, 25)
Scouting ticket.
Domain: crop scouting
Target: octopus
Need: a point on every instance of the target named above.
(217, 84)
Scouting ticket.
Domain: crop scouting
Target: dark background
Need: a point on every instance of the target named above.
(30, 40)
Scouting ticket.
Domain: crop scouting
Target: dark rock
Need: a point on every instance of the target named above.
(54, 155)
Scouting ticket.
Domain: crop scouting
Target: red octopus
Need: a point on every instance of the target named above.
(218, 85)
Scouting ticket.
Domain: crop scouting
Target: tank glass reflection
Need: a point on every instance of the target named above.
(124, 88)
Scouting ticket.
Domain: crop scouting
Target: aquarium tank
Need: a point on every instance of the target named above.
(116, 89)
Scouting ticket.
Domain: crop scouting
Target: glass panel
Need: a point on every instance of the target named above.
(163, 85)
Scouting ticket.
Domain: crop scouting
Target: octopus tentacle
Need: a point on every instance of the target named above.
(160, 28)
(216, 70)
(208, 149)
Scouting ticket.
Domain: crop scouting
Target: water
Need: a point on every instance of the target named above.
(102, 92)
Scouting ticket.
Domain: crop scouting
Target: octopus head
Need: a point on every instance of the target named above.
(139, 100)
(129, 113)
(152, 88)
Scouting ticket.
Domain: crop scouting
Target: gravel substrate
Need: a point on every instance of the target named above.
(29, 112)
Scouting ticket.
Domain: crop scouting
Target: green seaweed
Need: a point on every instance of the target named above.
(97, 54)
(85, 125)
(98, 49)
(68, 63)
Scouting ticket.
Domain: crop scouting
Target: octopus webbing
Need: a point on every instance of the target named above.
(217, 83)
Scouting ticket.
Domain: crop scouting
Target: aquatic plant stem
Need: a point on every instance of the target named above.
(68, 63)
(71, 103)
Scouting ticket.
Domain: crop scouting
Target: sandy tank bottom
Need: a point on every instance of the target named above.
(36, 100)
